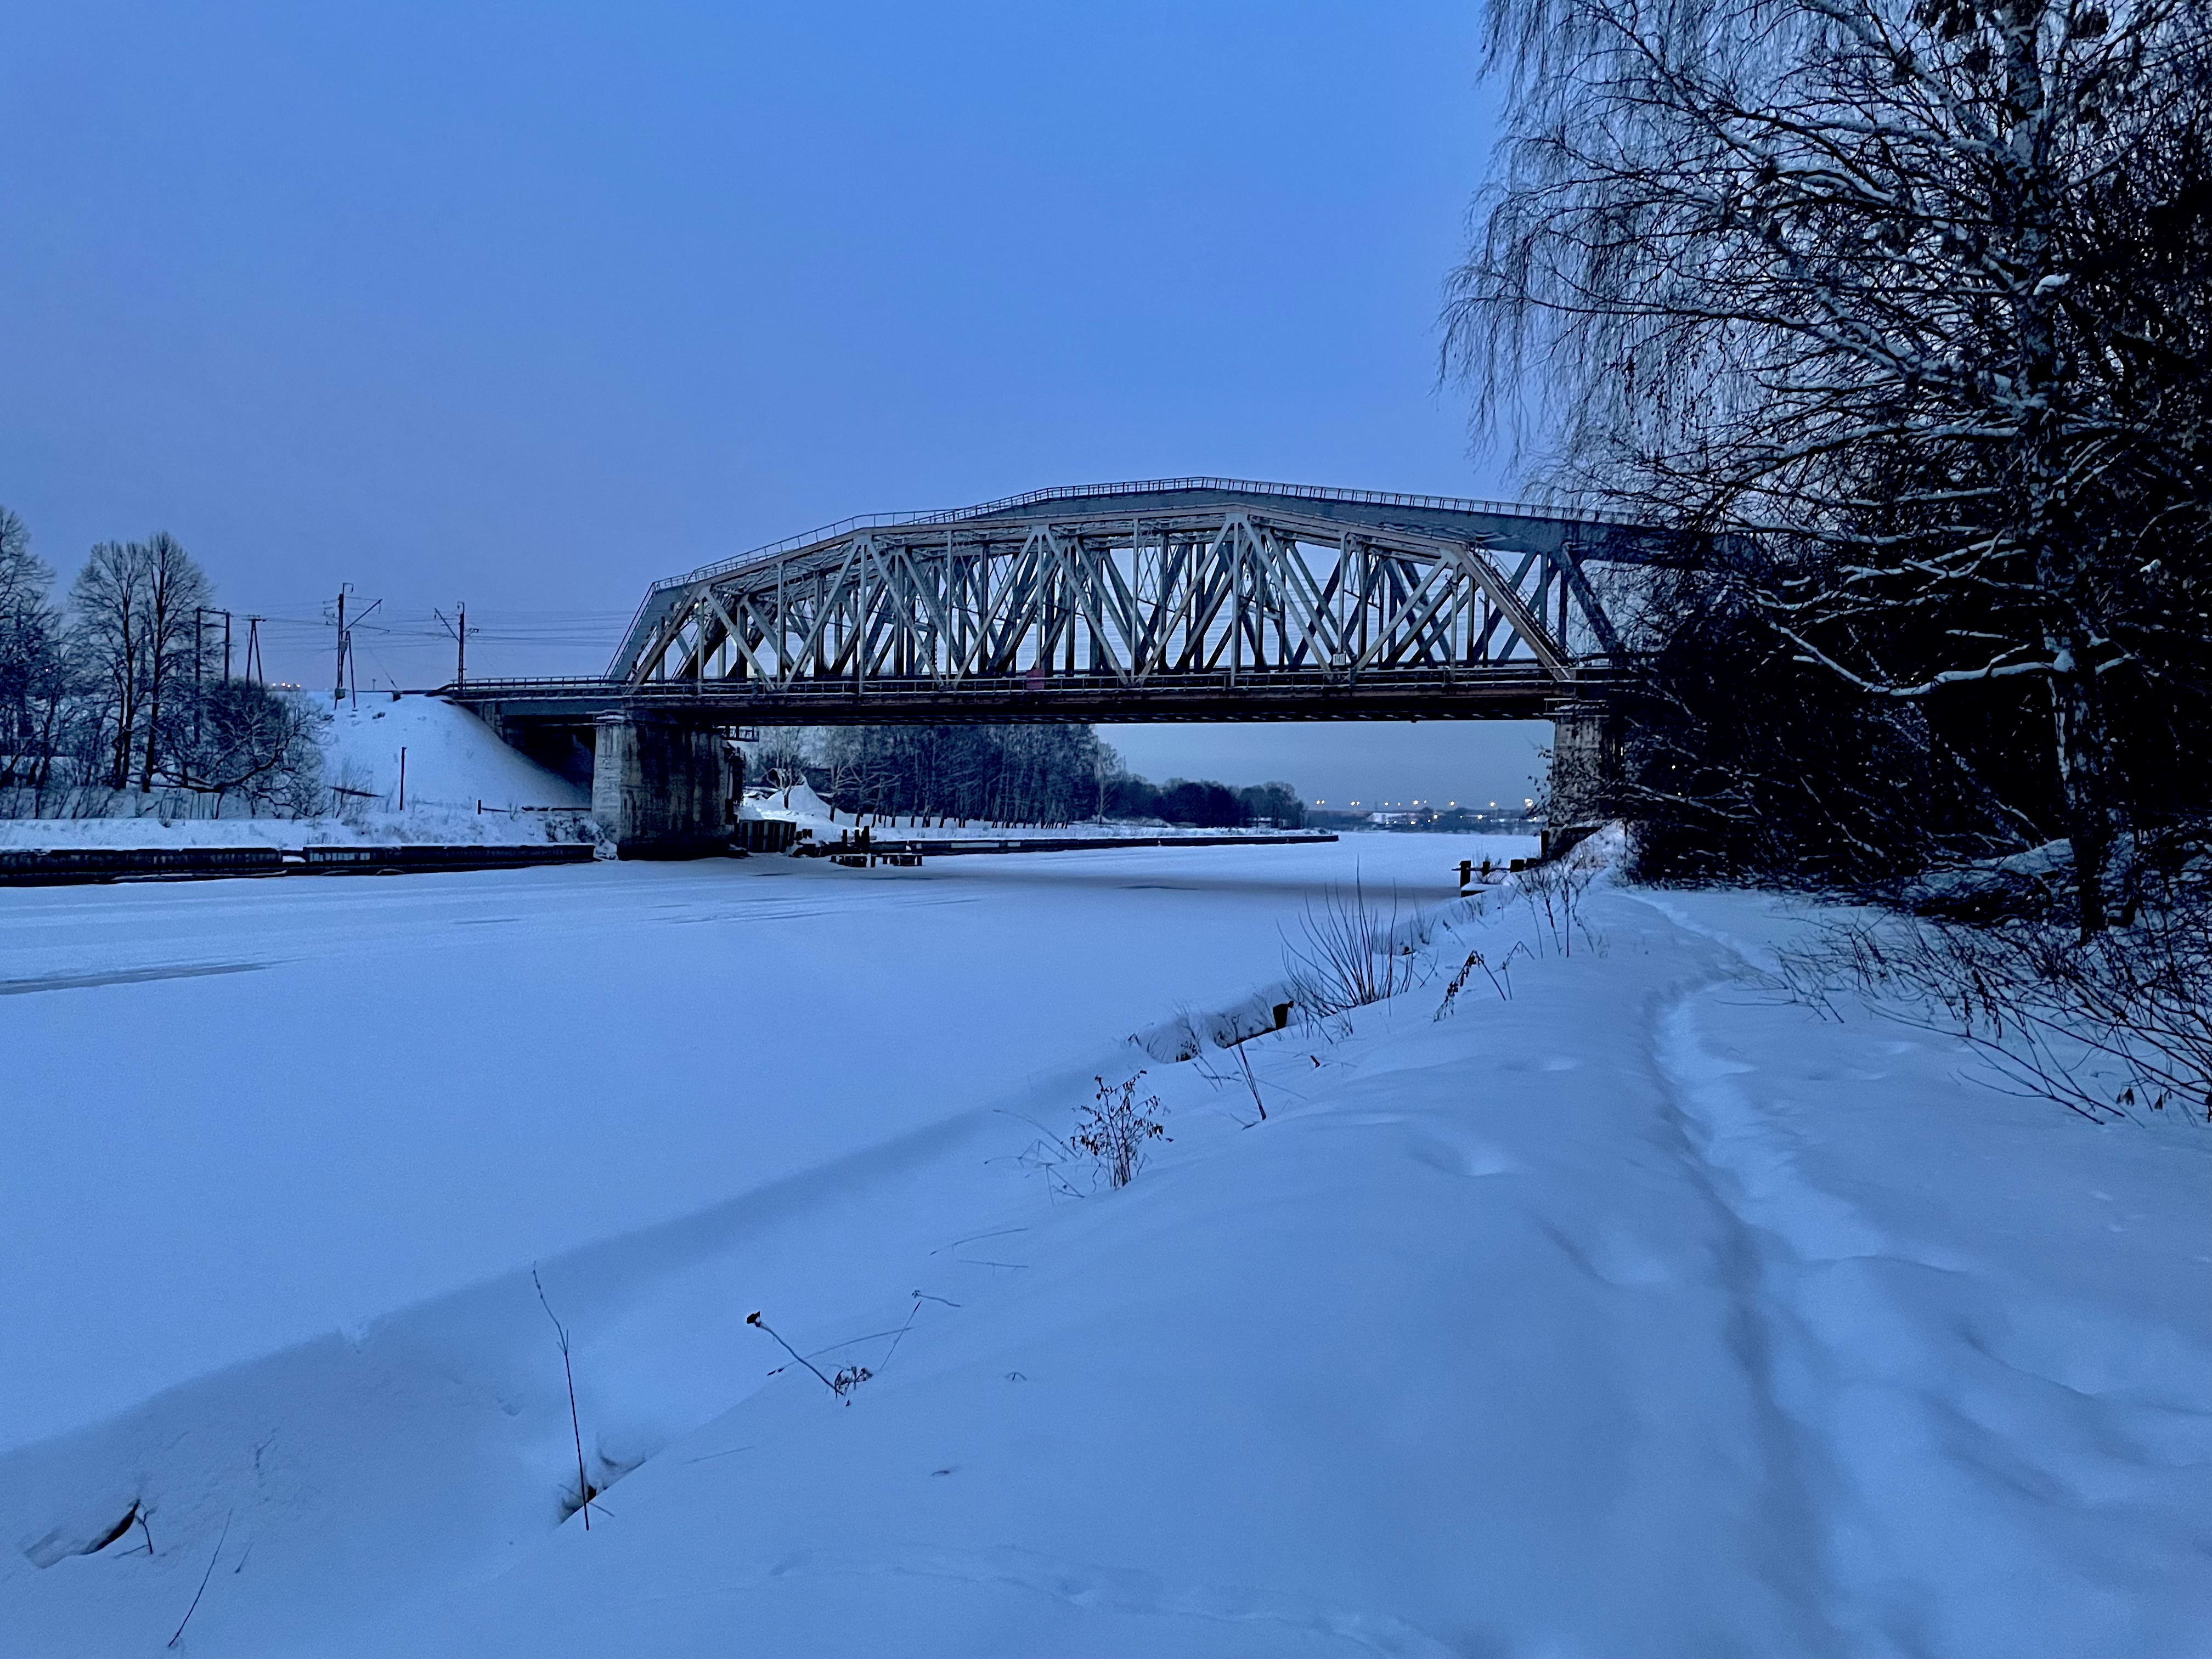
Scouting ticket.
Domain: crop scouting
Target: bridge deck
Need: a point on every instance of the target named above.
(1515, 693)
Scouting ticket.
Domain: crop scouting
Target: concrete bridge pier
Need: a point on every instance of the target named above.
(662, 790)
(1587, 772)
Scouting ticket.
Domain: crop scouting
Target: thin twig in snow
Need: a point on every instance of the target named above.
(205, 1577)
(584, 1493)
(848, 1379)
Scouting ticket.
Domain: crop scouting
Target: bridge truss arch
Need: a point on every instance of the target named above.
(1196, 599)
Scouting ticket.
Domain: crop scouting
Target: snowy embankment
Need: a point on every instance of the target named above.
(464, 787)
(1628, 1309)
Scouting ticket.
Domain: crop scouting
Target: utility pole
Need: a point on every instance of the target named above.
(199, 657)
(459, 627)
(345, 637)
(254, 648)
(226, 647)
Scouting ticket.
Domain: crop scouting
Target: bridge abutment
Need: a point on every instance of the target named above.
(662, 790)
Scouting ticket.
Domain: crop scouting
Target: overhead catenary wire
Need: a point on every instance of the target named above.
(416, 648)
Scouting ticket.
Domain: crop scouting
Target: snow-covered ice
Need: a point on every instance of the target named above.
(1641, 1313)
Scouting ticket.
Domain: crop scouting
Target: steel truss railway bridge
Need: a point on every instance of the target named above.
(1174, 599)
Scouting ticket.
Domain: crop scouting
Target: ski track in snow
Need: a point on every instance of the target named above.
(1847, 1400)
(1735, 1158)
(1693, 1087)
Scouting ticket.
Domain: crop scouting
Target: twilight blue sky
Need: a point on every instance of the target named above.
(527, 305)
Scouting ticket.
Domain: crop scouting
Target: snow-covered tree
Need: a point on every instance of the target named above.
(1911, 294)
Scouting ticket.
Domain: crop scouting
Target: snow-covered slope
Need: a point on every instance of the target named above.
(463, 787)
(454, 759)
(1636, 1311)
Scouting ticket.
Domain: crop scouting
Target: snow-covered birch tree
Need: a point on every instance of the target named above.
(1914, 292)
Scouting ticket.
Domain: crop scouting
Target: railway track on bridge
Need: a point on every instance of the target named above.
(1494, 692)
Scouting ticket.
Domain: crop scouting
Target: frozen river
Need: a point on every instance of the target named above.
(241, 1114)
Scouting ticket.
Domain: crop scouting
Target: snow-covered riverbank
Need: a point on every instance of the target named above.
(461, 786)
(1637, 1311)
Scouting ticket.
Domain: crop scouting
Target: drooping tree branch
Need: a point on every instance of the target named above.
(1913, 295)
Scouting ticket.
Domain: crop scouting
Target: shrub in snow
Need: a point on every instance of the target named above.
(1500, 977)
(260, 745)
(1554, 894)
(1352, 953)
(2103, 1025)
(1176, 1041)
(1113, 1131)
(1244, 1075)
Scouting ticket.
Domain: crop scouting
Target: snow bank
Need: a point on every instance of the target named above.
(1626, 1309)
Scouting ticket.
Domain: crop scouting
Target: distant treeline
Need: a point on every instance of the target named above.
(1010, 773)
(1207, 806)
